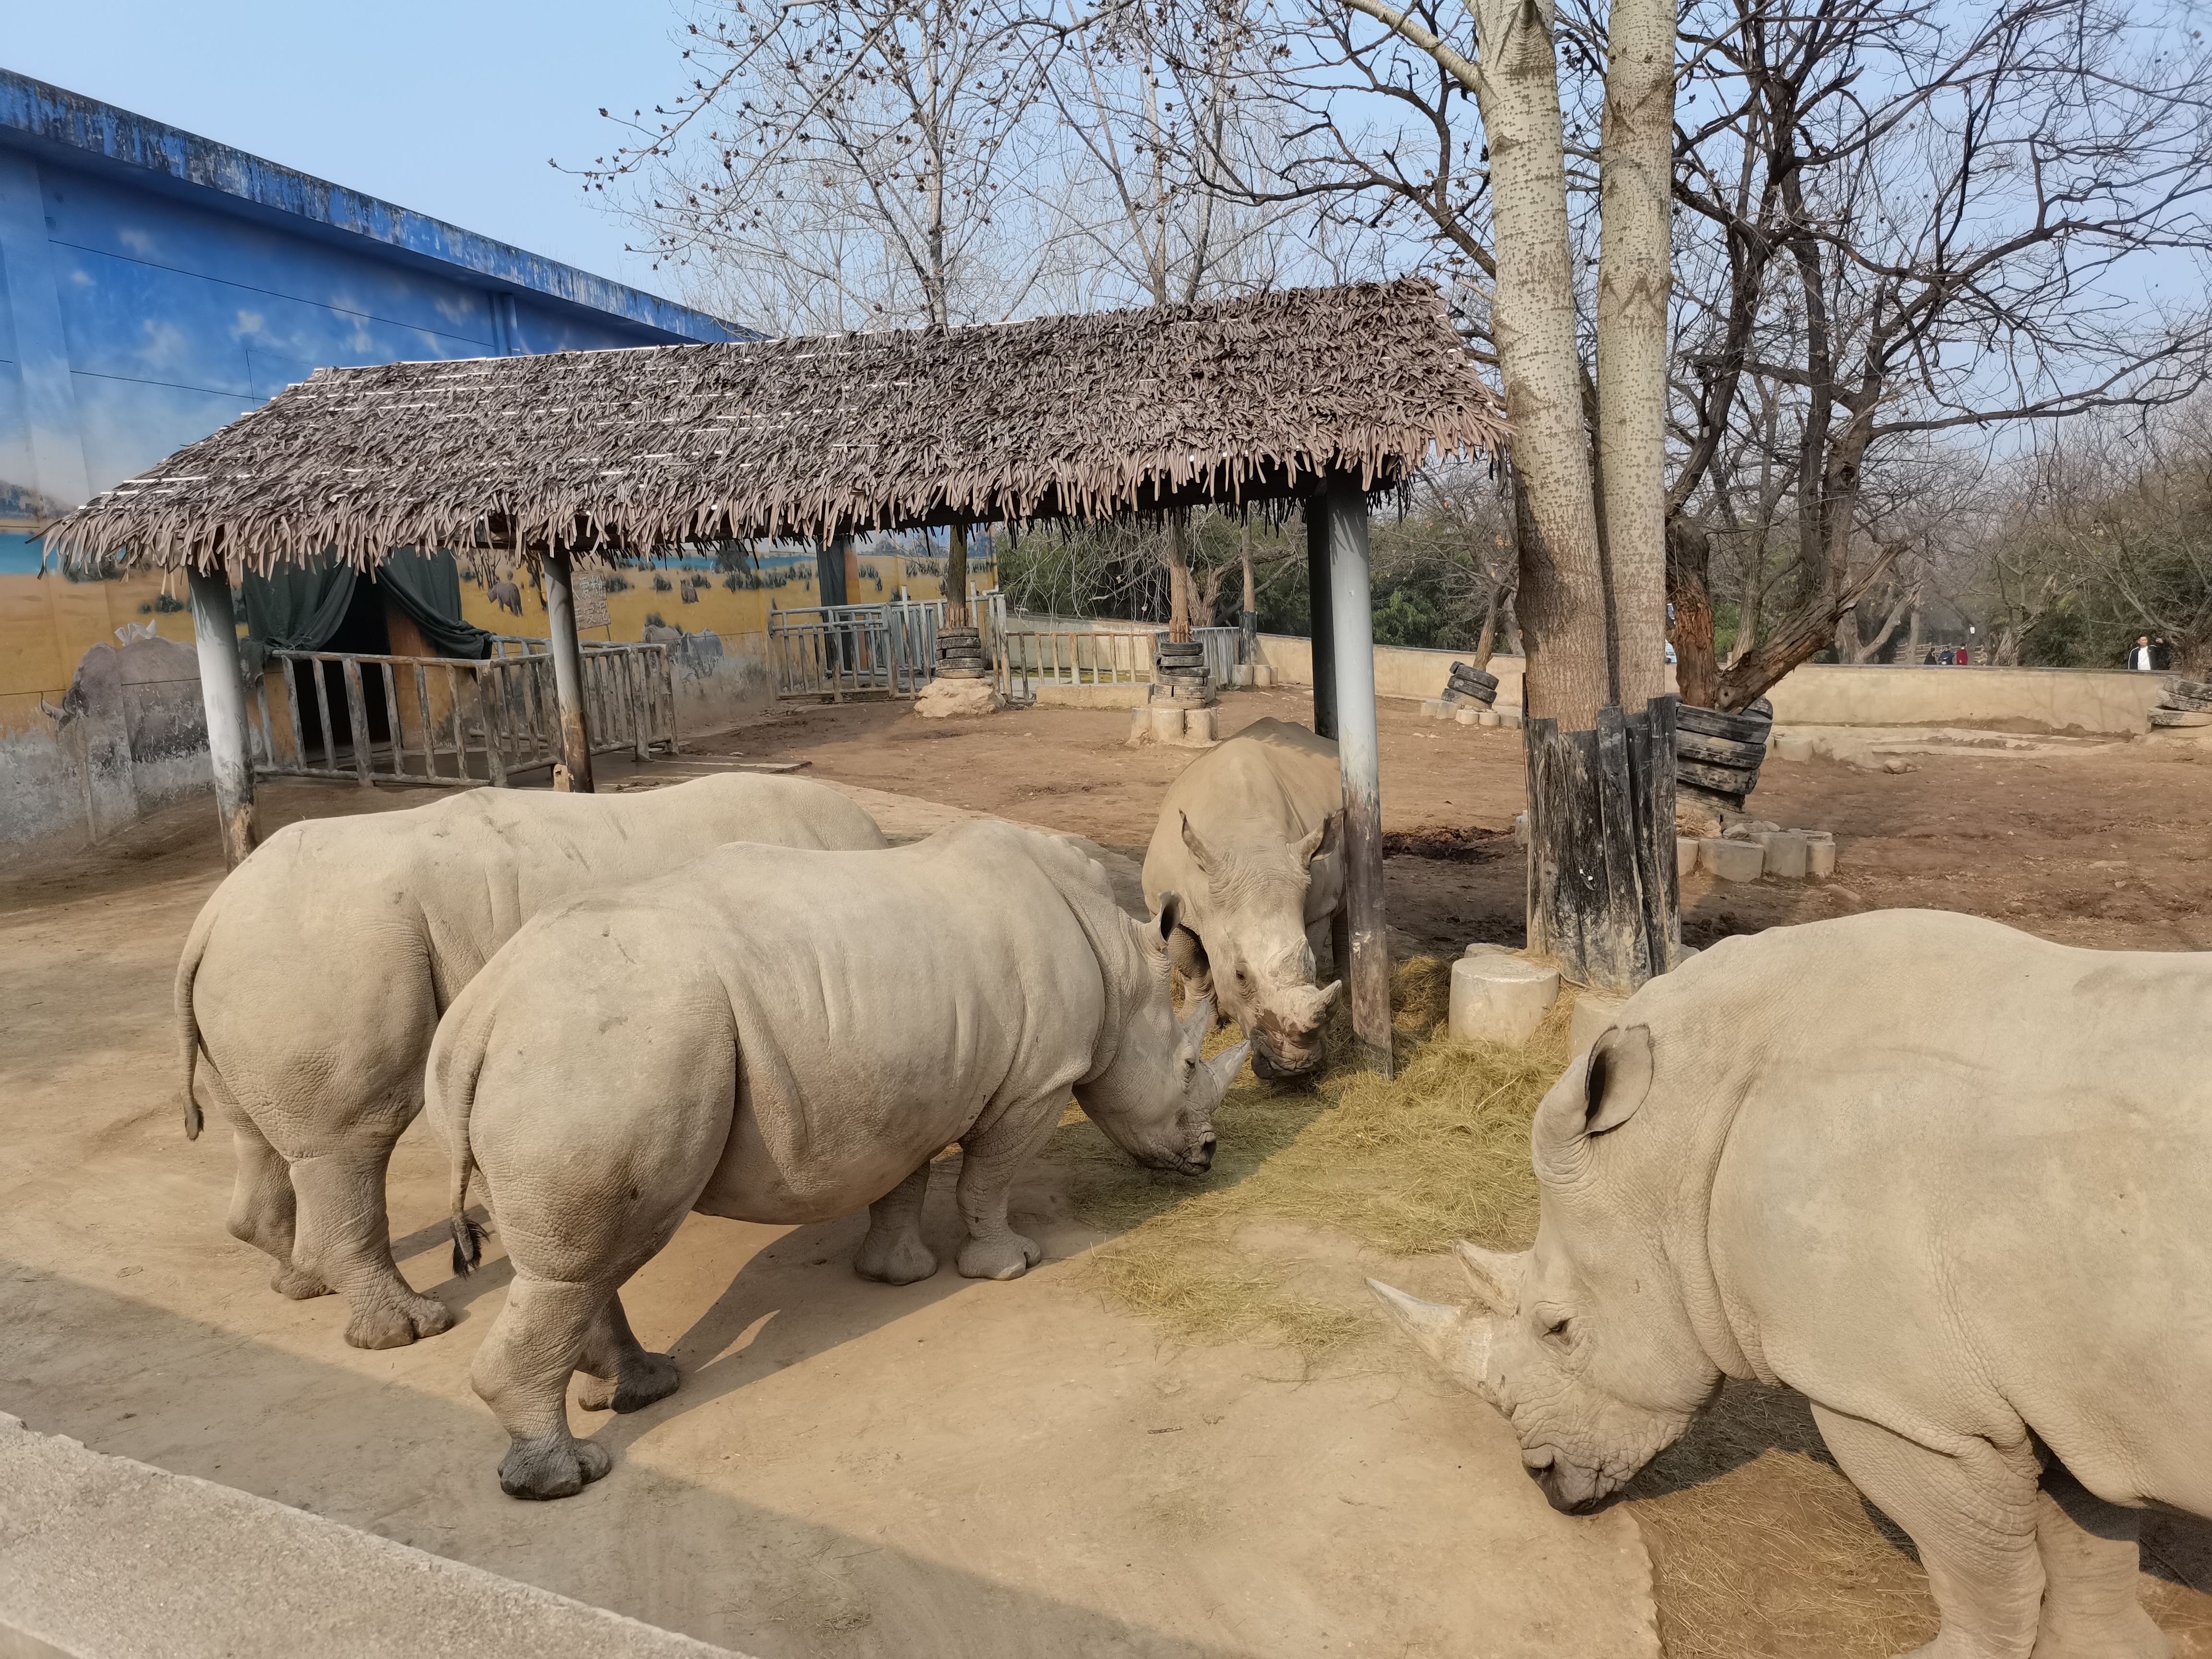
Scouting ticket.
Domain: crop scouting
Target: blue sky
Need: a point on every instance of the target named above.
(450, 109)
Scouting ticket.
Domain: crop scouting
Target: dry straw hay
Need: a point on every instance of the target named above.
(631, 452)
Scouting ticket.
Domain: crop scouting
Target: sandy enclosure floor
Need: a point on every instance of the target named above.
(985, 1470)
(949, 1467)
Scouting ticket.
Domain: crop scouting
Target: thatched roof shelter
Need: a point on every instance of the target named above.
(623, 454)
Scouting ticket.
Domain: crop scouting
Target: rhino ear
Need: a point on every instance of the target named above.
(1164, 924)
(1199, 853)
(1307, 848)
(1617, 1078)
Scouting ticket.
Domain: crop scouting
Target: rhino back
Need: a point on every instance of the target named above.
(1964, 1185)
(880, 1003)
(1271, 783)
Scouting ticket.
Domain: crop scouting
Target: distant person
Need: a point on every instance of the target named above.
(2143, 658)
(1931, 660)
(1950, 656)
(1966, 656)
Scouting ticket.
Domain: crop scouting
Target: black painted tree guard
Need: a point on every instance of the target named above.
(1604, 897)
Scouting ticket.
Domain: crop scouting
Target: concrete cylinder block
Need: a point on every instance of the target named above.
(1263, 674)
(1594, 1011)
(1511, 717)
(1786, 852)
(1487, 717)
(1820, 855)
(1198, 726)
(1685, 854)
(1732, 860)
(1433, 707)
(1466, 713)
(1243, 676)
(1496, 998)
(1140, 724)
(1167, 723)
(1790, 747)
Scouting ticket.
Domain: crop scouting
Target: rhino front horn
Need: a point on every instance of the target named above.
(1457, 1338)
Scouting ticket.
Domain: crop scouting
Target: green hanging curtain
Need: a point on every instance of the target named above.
(299, 607)
(428, 589)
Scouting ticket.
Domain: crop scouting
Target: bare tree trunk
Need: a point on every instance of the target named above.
(1757, 671)
(1178, 562)
(1689, 556)
(956, 576)
(1635, 267)
(1562, 597)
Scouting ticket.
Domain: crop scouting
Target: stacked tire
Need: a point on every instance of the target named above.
(1470, 684)
(2185, 703)
(960, 654)
(1718, 756)
(1180, 669)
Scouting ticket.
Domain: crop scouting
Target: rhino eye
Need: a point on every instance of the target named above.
(1558, 1328)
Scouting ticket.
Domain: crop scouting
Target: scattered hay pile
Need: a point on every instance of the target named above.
(1439, 1153)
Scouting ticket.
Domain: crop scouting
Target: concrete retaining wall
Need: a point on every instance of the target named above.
(105, 1558)
(1827, 694)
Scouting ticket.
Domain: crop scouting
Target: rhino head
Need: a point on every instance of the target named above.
(1583, 1342)
(1252, 951)
(1156, 1098)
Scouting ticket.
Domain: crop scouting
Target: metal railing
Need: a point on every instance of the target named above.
(452, 721)
(842, 650)
(1084, 658)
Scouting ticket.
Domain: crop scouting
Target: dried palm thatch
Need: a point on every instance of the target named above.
(623, 454)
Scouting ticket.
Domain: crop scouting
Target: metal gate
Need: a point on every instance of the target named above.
(452, 721)
(838, 651)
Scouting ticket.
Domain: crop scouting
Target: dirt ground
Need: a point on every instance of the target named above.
(985, 1469)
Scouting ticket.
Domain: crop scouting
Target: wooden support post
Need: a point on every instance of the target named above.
(576, 753)
(1352, 625)
(1318, 607)
(222, 692)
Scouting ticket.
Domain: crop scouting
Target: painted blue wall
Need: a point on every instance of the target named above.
(155, 285)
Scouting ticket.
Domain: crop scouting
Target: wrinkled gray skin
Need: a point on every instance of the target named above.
(1948, 1181)
(1248, 836)
(784, 1037)
(314, 978)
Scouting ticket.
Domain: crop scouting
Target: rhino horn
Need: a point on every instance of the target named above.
(1457, 1338)
(1229, 1062)
(1201, 1022)
(1494, 1275)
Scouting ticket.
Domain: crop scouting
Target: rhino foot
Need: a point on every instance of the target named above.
(896, 1261)
(2130, 1635)
(1007, 1256)
(296, 1283)
(644, 1378)
(394, 1323)
(558, 1465)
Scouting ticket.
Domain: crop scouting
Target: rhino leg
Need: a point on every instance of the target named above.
(522, 1373)
(2090, 1551)
(263, 1209)
(1973, 1516)
(345, 1240)
(988, 1163)
(618, 1371)
(893, 1252)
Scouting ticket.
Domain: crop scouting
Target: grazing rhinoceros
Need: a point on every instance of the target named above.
(1247, 837)
(1952, 1183)
(314, 976)
(785, 1037)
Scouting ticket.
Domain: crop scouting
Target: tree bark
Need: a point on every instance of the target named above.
(1635, 267)
(1562, 594)
(1351, 644)
(956, 576)
(1689, 590)
(558, 578)
(1758, 670)
(1176, 556)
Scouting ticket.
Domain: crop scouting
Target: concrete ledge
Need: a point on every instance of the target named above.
(104, 1558)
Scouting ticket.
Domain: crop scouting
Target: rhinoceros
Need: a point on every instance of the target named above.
(1950, 1182)
(785, 1037)
(313, 977)
(1248, 836)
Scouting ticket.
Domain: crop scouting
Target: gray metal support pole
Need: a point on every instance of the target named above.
(568, 670)
(223, 690)
(1318, 606)
(1352, 618)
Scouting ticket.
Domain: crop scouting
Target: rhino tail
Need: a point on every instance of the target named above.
(188, 1024)
(449, 1086)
